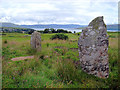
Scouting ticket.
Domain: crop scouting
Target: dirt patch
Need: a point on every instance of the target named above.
(22, 58)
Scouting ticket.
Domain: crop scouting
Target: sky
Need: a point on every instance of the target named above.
(29, 12)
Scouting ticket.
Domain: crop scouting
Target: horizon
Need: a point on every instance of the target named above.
(31, 12)
(55, 24)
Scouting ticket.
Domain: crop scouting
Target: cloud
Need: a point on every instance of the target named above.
(60, 12)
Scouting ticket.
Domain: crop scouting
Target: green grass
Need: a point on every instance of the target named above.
(54, 66)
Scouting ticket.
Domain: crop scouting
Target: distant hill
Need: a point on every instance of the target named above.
(5, 24)
(109, 27)
(54, 26)
(113, 27)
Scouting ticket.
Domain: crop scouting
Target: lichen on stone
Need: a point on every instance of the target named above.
(36, 41)
(93, 48)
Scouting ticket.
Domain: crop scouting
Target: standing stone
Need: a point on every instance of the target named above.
(36, 40)
(93, 48)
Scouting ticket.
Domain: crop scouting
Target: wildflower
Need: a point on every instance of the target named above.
(13, 77)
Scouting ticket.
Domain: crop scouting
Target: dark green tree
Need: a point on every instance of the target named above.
(74, 31)
(46, 30)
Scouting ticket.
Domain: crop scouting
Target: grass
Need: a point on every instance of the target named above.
(54, 66)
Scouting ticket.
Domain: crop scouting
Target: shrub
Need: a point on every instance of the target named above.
(47, 44)
(59, 36)
(31, 31)
(5, 41)
(42, 56)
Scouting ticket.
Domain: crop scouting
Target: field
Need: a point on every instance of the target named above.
(55, 66)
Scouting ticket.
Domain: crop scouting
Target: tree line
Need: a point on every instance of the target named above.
(30, 31)
(52, 30)
(17, 30)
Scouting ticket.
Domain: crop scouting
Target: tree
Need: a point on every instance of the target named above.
(74, 31)
(46, 30)
(31, 31)
(61, 31)
(52, 30)
(69, 32)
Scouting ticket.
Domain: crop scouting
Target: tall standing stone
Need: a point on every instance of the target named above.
(36, 40)
(93, 48)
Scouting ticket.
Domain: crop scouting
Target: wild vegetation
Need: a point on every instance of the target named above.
(56, 66)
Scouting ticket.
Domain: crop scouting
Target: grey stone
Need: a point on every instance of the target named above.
(36, 40)
(93, 48)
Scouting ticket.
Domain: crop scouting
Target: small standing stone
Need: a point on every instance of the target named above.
(36, 40)
(93, 48)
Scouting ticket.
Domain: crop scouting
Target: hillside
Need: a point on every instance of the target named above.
(54, 26)
(4, 24)
(113, 26)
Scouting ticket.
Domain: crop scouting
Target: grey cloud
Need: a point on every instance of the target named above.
(68, 11)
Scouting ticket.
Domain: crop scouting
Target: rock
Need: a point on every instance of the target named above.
(93, 48)
(36, 40)
(22, 58)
